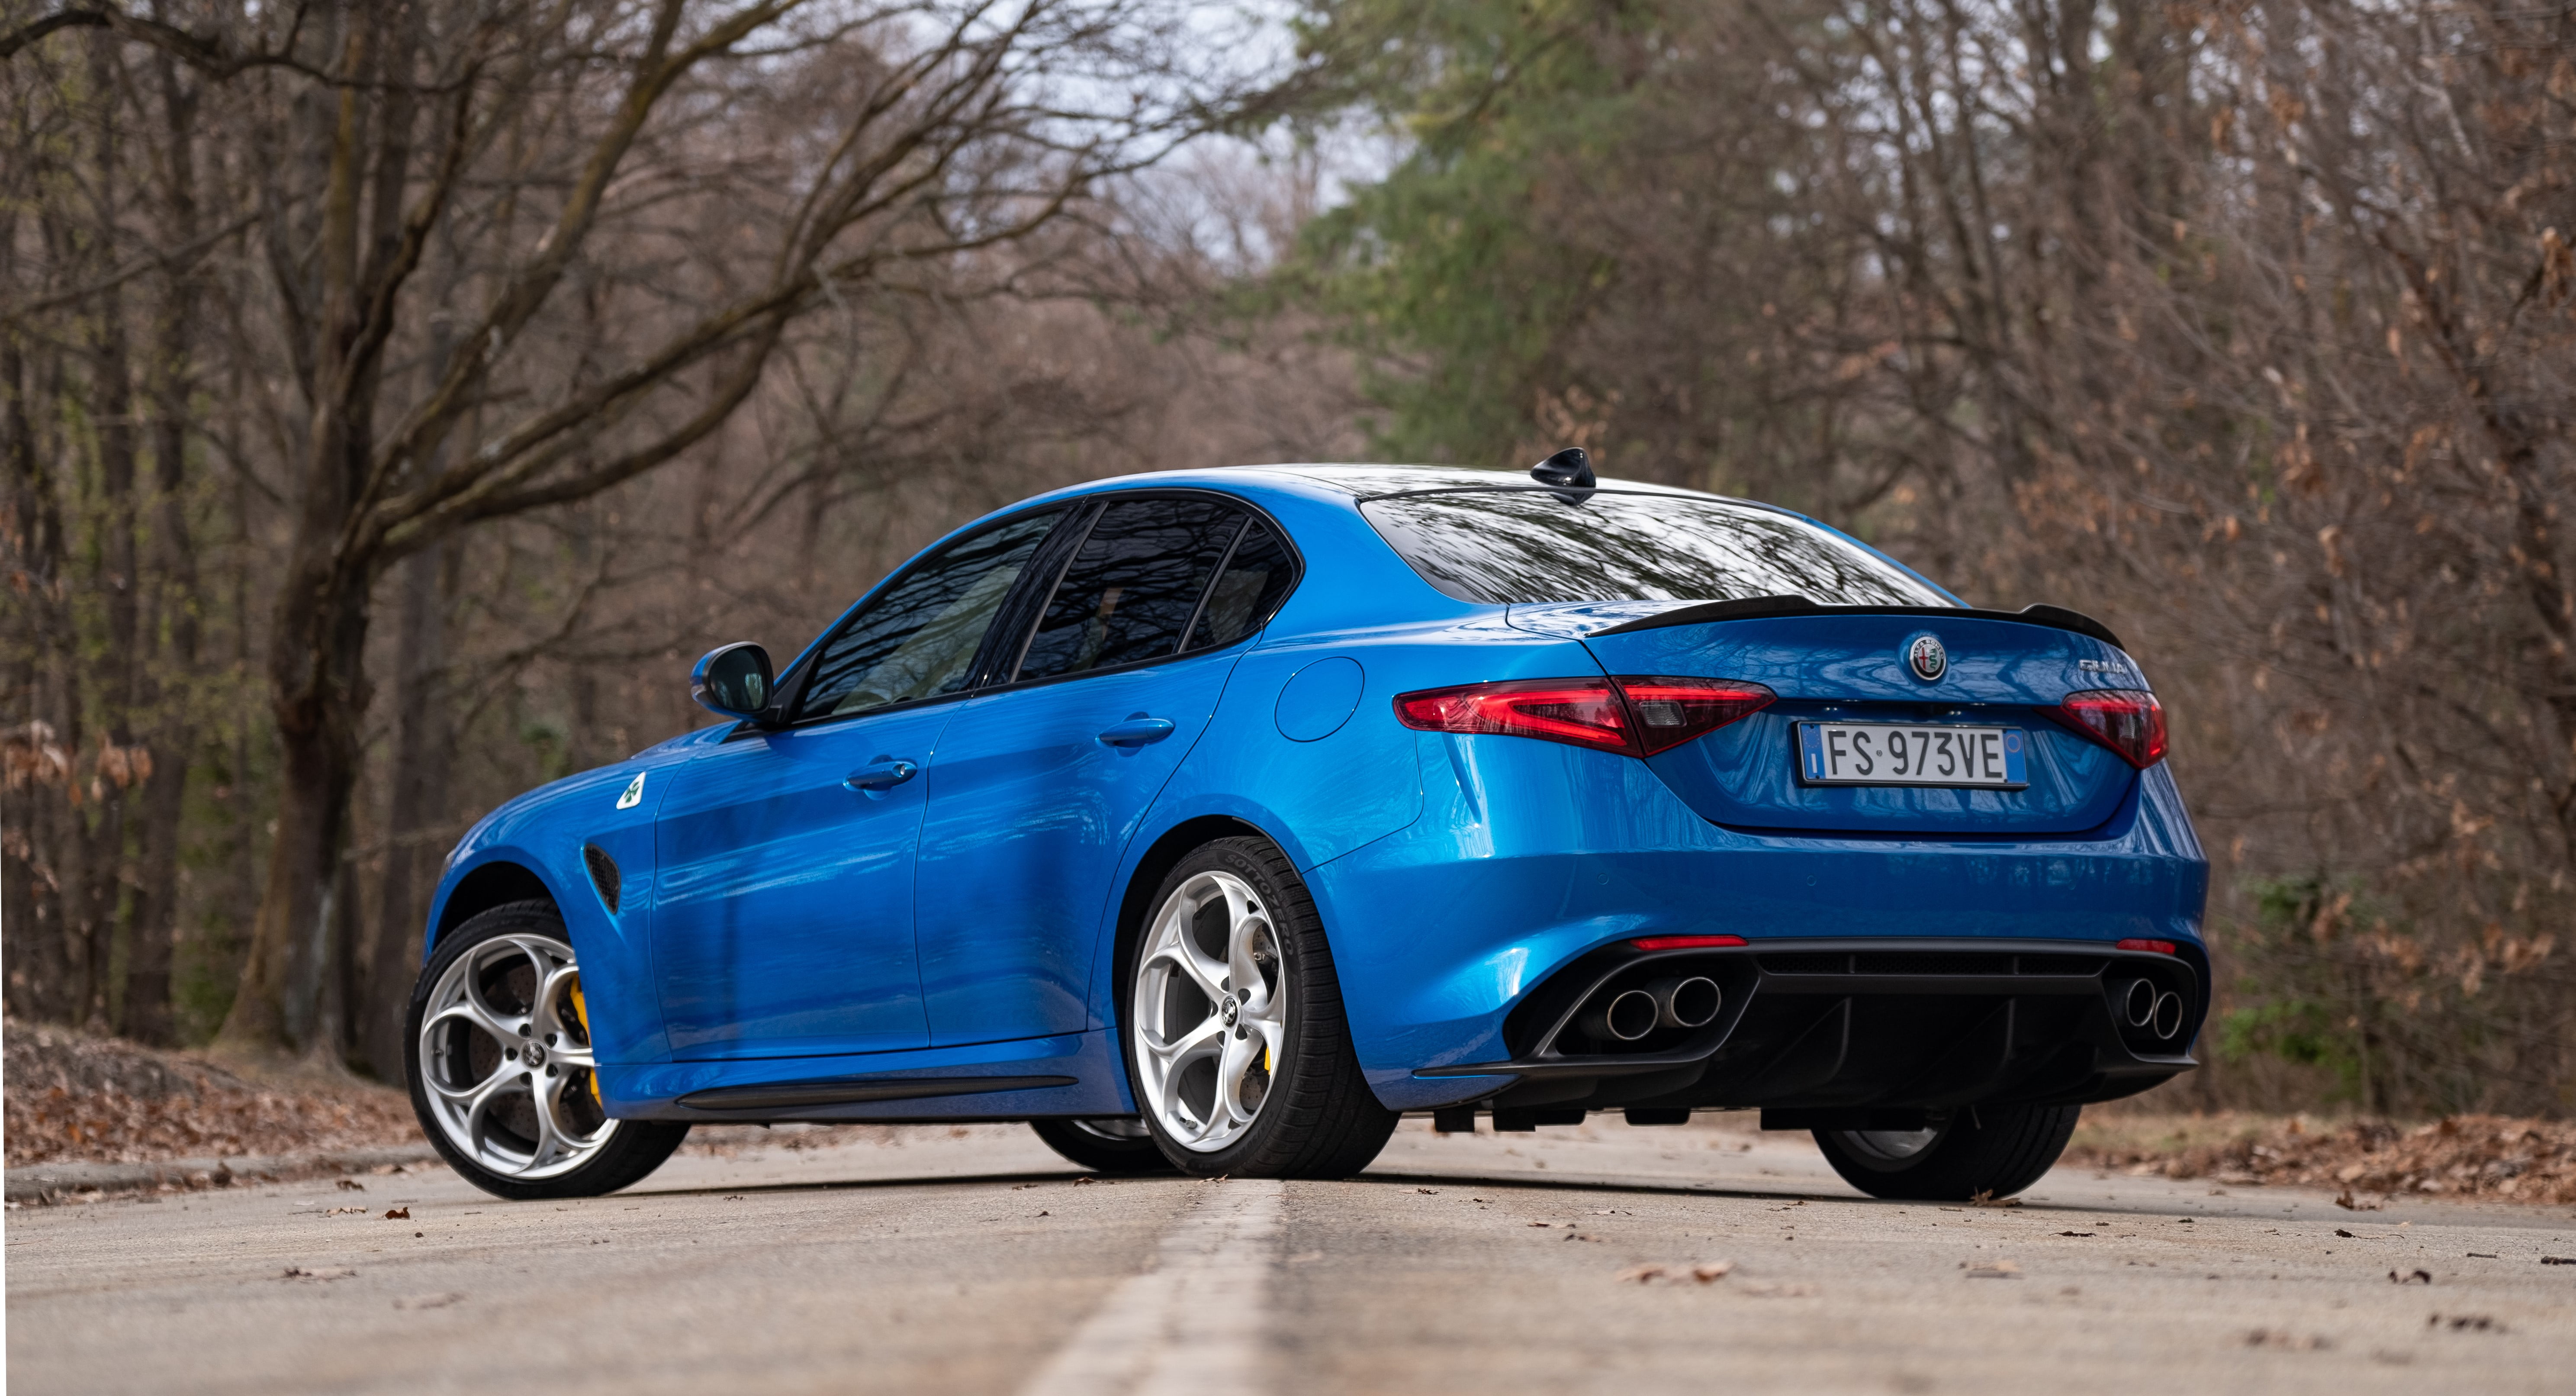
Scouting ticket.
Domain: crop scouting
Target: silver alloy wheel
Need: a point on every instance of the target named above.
(505, 1059)
(1890, 1146)
(1210, 1011)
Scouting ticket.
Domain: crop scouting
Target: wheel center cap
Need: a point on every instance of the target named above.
(1227, 1010)
(533, 1053)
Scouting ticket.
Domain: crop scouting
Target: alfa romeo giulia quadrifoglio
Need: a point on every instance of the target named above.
(1212, 821)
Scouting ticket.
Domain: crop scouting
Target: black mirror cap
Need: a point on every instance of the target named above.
(735, 681)
(1569, 472)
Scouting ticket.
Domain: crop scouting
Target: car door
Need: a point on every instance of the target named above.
(783, 924)
(1038, 785)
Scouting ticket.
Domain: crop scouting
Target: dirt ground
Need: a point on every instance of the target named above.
(72, 1096)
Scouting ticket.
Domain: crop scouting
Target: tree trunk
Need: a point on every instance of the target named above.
(151, 927)
(423, 746)
(318, 682)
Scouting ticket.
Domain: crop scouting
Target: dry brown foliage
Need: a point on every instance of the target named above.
(2490, 1157)
(96, 1099)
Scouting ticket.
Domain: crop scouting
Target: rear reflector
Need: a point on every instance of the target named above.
(1686, 942)
(1634, 714)
(2161, 947)
(2127, 720)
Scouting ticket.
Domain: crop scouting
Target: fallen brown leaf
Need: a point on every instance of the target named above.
(2411, 1277)
(352, 1185)
(297, 1272)
(397, 1214)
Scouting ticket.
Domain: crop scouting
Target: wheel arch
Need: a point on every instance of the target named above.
(496, 883)
(1136, 901)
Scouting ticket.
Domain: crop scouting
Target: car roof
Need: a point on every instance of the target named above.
(1372, 481)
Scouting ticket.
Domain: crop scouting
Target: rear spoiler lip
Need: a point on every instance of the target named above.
(1762, 607)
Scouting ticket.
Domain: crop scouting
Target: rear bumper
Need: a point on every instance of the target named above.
(1882, 1031)
(1530, 856)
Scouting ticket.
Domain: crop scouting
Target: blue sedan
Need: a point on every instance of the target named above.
(1212, 821)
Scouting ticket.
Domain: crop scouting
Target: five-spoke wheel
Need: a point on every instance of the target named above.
(1211, 1011)
(501, 1066)
(505, 1055)
(1238, 1058)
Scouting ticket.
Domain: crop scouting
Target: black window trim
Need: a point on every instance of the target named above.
(1085, 513)
(1288, 544)
(799, 675)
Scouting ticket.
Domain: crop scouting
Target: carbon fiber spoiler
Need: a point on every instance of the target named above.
(1759, 607)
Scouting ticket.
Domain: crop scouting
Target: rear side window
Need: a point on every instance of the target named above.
(1510, 547)
(1254, 581)
(1133, 587)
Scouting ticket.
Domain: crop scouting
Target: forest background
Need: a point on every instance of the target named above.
(395, 397)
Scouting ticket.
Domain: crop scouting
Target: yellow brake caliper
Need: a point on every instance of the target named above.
(581, 1015)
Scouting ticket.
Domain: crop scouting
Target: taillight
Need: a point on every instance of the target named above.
(1634, 714)
(1585, 712)
(2127, 720)
(2161, 947)
(1686, 942)
(1673, 711)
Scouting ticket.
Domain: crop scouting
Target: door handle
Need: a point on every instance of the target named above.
(1138, 731)
(885, 773)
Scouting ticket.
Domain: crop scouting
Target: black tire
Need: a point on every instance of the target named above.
(1317, 1117)
(1087, 1144)
(1990, 1151)
(636, 1149)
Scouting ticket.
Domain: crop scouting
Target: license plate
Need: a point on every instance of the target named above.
(1890, 753)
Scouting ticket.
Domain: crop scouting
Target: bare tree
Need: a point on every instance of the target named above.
(545, 145)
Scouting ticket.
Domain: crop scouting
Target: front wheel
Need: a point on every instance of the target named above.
(501, 1070)
(1105, 1145)
(1240, 1059)
(1988, 1151)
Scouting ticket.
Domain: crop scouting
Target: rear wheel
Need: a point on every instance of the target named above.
(1104, 1145)
(501, 1070)
(1240, 1059)
(1992, 1151)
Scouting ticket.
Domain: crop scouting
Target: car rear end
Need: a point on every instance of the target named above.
(1792, 829)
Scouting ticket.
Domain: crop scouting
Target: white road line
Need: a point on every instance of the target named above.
(1195, 1321)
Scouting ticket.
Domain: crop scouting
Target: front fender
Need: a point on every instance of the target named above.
(542, 834)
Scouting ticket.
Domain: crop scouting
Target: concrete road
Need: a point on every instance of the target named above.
(972, 1260)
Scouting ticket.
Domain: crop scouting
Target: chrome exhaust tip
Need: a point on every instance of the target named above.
(1686, 1003)
(2137, 1000)
(1629, 1015)
(2168, 1016)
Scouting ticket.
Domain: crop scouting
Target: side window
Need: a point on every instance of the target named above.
(1247, 591)
(1133, 587)
(919, 639)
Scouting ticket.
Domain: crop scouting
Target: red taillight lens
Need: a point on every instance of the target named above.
(1673, 711)
(2127, 720)
(1583, 712)
(1686, 942)
(1634, 715)
(2161, 947)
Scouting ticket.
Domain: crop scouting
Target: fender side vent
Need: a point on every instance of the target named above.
(603, 874)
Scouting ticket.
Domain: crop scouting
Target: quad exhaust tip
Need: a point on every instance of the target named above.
(1630, 1014)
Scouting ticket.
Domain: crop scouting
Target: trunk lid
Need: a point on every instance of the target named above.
(1851, 665)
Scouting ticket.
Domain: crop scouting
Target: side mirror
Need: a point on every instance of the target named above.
(733, 681)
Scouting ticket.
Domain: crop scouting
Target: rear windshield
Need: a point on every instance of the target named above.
(1522, 546)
